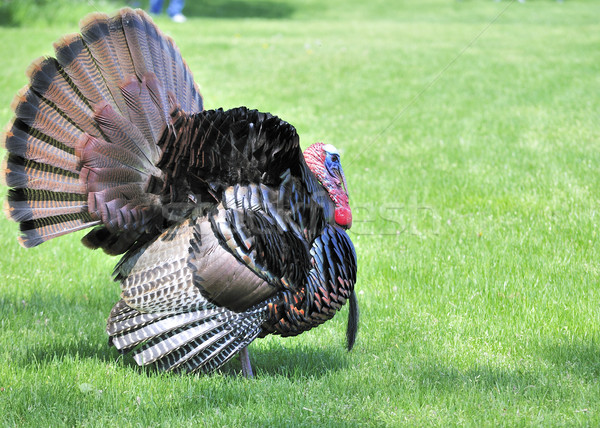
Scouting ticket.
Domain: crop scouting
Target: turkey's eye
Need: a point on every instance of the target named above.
(333, 159)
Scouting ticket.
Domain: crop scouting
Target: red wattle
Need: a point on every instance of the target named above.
(343, 217)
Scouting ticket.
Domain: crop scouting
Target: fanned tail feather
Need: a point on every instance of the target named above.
(83, 144)
(198, 340)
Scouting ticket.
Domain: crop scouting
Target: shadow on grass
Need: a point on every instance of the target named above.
(291, 362)
(74, 349)
(67, 327)
(232, 9)
(58, 326)
(580, 358)
(298, 362)
(438, 376)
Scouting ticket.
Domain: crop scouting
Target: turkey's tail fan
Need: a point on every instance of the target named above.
(82, 147)
(202, 339)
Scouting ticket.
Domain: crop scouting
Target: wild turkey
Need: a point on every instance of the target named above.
(229, 232)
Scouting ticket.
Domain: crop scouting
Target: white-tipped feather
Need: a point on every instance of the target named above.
(171, 343)
(189, 356)
(157, 328)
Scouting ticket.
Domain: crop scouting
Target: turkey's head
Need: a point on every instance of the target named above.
(324, 161)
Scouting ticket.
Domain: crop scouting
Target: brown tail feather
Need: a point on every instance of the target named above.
(23, 173)
(29, 204)
(143, 113)
(78, 63)
(110, 53)
(41, 230)
(82, 147)
(46, 78)
(135, 34)
(40, 148)
(42, 115)
(129, 137)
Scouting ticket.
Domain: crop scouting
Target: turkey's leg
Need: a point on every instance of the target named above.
(245, 360)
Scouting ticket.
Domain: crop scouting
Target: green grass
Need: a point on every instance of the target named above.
(475, 184)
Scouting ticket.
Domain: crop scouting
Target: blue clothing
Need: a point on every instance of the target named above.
(175, 7)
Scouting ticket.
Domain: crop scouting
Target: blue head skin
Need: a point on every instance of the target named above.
(324, 162)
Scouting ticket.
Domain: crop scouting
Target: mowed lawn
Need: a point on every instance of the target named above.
(470, 138)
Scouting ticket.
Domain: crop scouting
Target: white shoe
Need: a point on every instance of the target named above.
(179, 18)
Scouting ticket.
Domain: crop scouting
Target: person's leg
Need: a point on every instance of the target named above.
(175, 7)
(156, 6)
